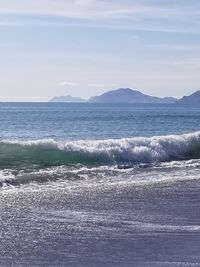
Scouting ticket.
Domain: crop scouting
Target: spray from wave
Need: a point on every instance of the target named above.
(48, 153)
(43, 161)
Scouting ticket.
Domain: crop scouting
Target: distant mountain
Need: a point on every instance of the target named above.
(191, 99)
(67, 98)
(127, 95)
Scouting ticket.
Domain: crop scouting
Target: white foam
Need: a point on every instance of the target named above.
(138, 149)
(141, 149)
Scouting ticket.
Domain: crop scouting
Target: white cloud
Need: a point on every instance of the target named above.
(135, 14)
(83, 9)
(71, 9)
(65, 83)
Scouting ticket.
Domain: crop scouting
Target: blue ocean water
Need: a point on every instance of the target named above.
(99, 184)
(77, 121)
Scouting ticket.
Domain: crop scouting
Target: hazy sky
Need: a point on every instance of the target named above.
(85, 47)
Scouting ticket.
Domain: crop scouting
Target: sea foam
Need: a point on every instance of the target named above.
(49, 152)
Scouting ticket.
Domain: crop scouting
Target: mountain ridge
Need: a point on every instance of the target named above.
(194, 98)
(127, 95)
(121, 95)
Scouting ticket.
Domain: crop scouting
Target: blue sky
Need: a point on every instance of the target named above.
(85, 47)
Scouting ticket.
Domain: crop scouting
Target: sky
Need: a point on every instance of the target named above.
(86, 47)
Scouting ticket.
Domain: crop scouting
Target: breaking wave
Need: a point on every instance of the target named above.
(48, 153)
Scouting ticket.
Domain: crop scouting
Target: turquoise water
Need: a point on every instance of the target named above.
(99, 185)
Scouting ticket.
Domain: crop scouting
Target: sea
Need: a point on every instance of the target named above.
(94, 185)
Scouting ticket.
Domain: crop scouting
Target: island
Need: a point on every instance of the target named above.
(121, 95)
(127, 95)
(191, 99)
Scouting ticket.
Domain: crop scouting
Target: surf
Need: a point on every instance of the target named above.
(48, 152)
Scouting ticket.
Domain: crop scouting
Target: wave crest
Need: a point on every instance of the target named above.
(46, 153)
